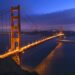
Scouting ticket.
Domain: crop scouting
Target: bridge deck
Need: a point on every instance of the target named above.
(28, 46)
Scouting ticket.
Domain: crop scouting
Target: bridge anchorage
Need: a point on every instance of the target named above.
(15, 32)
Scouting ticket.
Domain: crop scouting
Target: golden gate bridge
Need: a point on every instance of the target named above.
(16, 50)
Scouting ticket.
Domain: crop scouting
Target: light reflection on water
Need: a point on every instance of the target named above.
(59, 62)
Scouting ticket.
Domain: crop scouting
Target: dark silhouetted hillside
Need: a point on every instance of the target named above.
(9, 67)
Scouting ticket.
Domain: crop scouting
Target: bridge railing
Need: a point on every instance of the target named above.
(10, 53)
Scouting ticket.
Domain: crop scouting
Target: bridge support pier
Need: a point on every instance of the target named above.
(61, 37)
(15, 32)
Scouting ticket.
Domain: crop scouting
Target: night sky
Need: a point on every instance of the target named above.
(37, 7)
(48, 6)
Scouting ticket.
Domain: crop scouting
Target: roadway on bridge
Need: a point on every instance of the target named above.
(57, 61)
(24, 48)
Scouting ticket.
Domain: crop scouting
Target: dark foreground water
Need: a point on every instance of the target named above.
(60, 61)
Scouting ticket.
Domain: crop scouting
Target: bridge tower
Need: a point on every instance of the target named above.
(15, 32)
(61, 31)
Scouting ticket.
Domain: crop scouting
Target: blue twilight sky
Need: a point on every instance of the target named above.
(38, 6)
(35, 7)
(48, 6)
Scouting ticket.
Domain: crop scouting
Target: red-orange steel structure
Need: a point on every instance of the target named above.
(15, 32)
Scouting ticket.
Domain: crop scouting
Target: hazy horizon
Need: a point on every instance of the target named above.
(40, 15)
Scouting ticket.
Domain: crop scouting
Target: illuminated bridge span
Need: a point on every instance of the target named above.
(16, 48)
(28, 46)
